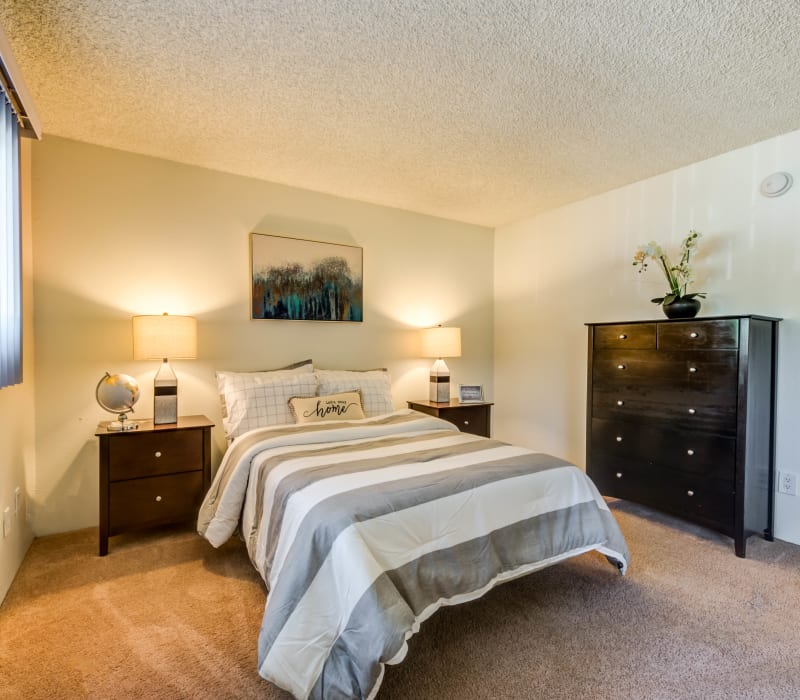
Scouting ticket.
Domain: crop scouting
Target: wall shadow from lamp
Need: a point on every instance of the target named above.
(440, 342)
(160, 338)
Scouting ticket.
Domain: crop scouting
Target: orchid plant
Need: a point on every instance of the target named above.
(678, 276)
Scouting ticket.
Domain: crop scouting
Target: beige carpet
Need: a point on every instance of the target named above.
(167, 616)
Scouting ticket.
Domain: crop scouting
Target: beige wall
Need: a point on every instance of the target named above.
(118, 234)
(570, 266)
(16, 411)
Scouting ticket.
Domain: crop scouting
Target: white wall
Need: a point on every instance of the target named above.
(118, 234)
(16, 410)
(562, 269)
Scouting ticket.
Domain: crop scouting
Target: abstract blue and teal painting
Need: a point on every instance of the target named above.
(300, 280)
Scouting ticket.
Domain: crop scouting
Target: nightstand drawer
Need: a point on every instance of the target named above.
(153, 453)
(156, 500)
(469, 419)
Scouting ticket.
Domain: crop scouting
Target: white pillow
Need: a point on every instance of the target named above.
(375, 387)
(346, 406)
(258, 399)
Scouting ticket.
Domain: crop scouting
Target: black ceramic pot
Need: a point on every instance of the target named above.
(682, 308)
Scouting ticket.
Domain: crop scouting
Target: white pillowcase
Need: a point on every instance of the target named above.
(375, 387)
(258, 399)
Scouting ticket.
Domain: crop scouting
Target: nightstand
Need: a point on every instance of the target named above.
(475, 418)
(154, 475)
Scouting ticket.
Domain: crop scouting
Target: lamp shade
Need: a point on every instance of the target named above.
(165, 336)
(441, 342)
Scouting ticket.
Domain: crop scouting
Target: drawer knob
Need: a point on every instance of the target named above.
(622, 336)
(466, 422)
(692, 369)
(620, 366)
(693, 334)
(619, 475)
(158, 453)
(158, 498)
(619, 438)
(690, 452)
(692, 411)
(620, 402)
(690, 493)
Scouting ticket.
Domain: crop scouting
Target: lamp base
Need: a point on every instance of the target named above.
(440, 382)
(165, 396)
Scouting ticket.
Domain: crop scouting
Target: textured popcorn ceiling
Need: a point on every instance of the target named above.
(483, 111)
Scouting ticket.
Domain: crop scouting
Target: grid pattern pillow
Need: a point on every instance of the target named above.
(375, 387)
(346, 406)
(259, 399)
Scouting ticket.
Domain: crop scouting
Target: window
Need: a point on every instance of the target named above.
(10, 249)
(17, 118)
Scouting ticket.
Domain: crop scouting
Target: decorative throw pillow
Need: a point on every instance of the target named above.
(375, 387)
(257, 399)
(346, 406)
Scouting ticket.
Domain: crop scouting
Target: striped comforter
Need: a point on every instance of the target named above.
(363, 529)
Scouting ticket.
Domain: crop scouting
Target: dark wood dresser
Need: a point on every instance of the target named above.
(154, 475)
(475, 418)
(681, 417)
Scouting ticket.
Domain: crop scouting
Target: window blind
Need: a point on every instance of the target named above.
(10, 248)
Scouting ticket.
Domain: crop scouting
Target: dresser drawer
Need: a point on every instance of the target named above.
(673, 371)
(704, 335)
(688, 452)
(702, 499)
(627, 335)
(153, 453)
(692, 411)
(155, 500)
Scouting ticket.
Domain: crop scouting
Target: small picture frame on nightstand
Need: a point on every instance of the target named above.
(470, 393)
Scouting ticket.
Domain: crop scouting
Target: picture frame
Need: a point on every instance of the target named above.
(470, 393)
(294, 279)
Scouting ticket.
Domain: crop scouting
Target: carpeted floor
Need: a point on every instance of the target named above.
(167, 616)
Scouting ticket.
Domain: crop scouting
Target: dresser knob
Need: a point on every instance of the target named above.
(692, 411)
(620, 402)
(158, 498)
(466, 422)
(158, 454)
(619, 438)
(690, 452)
(693, 334)
(619, 475)
(692, 369)
(690, 493)
(622, 336)
(620, 366)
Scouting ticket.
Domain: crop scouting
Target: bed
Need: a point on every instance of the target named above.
(363, 521)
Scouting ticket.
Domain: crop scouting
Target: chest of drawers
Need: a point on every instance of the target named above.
(680, 417)
(154, 475)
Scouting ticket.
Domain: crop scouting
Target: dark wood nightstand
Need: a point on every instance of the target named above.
(154, 475)
(475, 418)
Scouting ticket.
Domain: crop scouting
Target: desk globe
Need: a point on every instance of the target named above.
(117, 393)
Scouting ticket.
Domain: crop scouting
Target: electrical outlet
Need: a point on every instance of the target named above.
(17, 500)
(6, 521)
(787, 483)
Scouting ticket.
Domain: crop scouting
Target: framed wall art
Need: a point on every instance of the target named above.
(299, 280)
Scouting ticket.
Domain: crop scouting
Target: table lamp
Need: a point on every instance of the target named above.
(441, 342)
(161, 338)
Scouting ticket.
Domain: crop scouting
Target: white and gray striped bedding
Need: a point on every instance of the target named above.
(363, 529)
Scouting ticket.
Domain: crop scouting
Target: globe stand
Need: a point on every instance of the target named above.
(122, 424)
